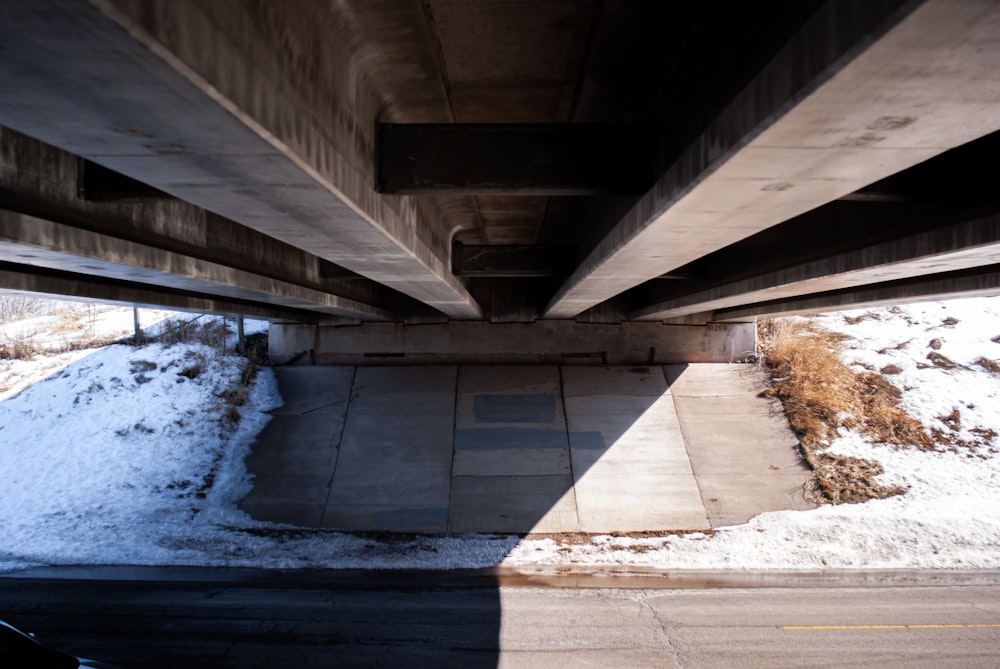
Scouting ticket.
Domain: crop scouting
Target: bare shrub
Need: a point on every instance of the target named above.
(254, 348)
(19, 307)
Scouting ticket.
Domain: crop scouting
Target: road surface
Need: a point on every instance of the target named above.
(392, 620)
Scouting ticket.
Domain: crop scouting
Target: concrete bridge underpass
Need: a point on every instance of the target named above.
(494, 181)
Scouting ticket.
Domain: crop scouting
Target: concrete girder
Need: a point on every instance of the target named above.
(38, 282)
(199, 113)
(864, 90)
(978, 282)
(29, 240)
(963, 246)
(40, 180)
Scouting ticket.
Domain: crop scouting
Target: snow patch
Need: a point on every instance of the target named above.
(105, 462)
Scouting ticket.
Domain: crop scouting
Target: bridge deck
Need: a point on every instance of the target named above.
(523, 449)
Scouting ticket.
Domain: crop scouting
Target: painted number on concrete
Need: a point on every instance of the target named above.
(718, 327)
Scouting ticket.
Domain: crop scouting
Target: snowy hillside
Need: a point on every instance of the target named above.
(134, 455)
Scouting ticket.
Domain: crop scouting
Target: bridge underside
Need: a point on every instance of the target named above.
(402, 165)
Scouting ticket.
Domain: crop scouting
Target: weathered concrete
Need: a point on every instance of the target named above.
(258, 121)
(513, 343)
(44, 243)
(43, 284)
(810, 128)
(972, 244)
(225, 114)
(511, 470)
(630, 467)
(294, 457)
(394, 467)
(257, 124)
(981, 282)
(521, 449)
(41, 180)
(744, 456)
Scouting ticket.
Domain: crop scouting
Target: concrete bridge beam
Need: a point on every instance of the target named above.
(958, 247)
(977, 282)
(864, 90)
(31, 240)
(185, 96)
(44, 283)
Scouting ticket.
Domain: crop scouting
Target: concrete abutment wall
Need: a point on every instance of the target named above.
(542, 342)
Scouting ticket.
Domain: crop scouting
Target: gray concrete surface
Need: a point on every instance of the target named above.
(198, 118)
(266, 114)
(375, 620)
(743, 454)
(480, 342)
(523, 449)
(765, 160)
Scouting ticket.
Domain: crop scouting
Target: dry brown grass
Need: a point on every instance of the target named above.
(991, 366)
(821, 394)
(18, 349)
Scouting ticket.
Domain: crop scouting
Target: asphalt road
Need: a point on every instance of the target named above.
(368, 620)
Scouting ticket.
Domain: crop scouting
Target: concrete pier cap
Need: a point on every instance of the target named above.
(561, 342)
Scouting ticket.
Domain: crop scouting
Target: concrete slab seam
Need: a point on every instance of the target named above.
(684, 441)
(454, 450)
(569, 447)
(340, 441)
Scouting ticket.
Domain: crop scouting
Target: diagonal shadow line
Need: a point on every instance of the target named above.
(436, 449)
(463, 449)
(478, 449)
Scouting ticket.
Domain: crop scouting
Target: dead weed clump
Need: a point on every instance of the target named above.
(991, 366)
(820, 395)
(17, 349)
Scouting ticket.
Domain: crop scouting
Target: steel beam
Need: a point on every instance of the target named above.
(863, 90)
(515, 159)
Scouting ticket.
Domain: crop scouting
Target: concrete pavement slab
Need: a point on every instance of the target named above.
(512, 462)
(394, 464)
(508, 379)
(742, 451)
(511, 395)
(290, 444)
(308, 390)
(405, 460)
(713, 380)
(614, 381)
(728, 497)
(624, 501)
(391, 390)
(517, 504)
(386, 518)
(523, 449)
(293, 457)
(630, 465)
(512, 454)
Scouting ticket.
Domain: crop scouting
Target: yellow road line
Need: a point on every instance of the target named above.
(887, 627)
